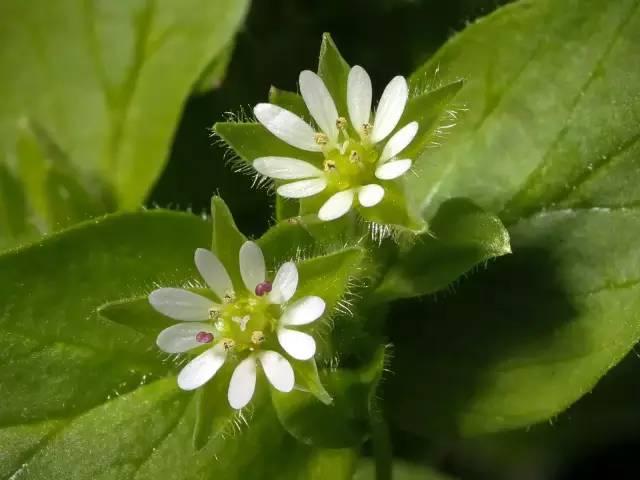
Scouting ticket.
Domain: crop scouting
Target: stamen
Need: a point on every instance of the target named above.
(228, 344)
(320, 138)
(354, 157)
(257, 337)
(229, 296)
(204, 337)
(214, 314)
(366, 129)
(341, 123)
(329, 165)
(263, 288)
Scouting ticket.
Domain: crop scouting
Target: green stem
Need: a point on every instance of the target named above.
(381, 445)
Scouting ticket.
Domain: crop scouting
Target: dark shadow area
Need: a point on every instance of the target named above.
(493, 316)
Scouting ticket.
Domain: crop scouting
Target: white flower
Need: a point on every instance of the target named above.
(243, 324)
(352, 167)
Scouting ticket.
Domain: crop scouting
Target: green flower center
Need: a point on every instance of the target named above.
(353, 168)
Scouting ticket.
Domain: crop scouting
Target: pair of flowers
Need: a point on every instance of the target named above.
(251, 324)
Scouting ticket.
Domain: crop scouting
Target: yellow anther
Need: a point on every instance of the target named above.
(320, 138)
(341, 123)
(329, 165)
(354, 157)
(229, 296)
(257, 337)
(366, 129)
(214, 313)
(228, 343)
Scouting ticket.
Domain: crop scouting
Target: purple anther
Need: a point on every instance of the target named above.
(204, 337)
(263, 288)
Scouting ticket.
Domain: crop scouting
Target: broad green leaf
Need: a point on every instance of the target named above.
(550, 142)
(214, 74)
(108, 79)
(460, 237)
(13, 210)
(81, 373)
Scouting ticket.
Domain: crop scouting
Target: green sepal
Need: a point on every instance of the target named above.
(226, 240)
(461, 236)
(290, 101)
(334, 70)
(308, 380)
(344, 422)
(285, 241)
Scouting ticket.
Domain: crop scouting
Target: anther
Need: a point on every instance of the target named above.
(329, 165)
(228, 344)
(204, 337)
(320, 138)
(354, 157)
(214, 314)
(263, 288)
(257, 337)
(229, 296)
(341, 123)
(366, 129)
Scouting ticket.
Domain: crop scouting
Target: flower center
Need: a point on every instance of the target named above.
(352, 165)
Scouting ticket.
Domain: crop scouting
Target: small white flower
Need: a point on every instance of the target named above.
(242, 324)
(352, 167)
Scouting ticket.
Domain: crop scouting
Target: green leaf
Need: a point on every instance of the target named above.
(334, 70)
(213, 75)
(558, 161)
(13, 210)
(461, 236)
(80, 372)
(92, 74)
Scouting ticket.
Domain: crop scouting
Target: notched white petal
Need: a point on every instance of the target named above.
(303, 311)
(392, 103)
(285, 284)
(299, 345)
(213, 272)
(181, 304)
(287, 126)
(319, 102)
(182, 337)
(202, 368)
(252, 268)
(285, 168)
(303, 188)
(370, 195)
(359, 93)
(243, 383)
(278, 370)
(399, 141)
(336, 206)
(394, 169)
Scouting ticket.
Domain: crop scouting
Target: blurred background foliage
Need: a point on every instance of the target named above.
(596, 438)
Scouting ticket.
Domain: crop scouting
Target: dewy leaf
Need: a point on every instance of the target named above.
(92, 74)
(550, 142)
(460, 236)
(80, 372)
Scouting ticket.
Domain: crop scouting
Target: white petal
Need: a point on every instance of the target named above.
(287, 126)
(285, 283)
(278, 370)
(202, 368)
(182, 337)
(243, 383)
(213, 272)
(399, 141)
(392, 103)
(181, 304)
(285, 168)
(303, 311)
(359, 96)
(319, 102)
(252, 267)
(391, 170)
(336, 206)
(303, 188)
(299, 345)
(370, 195)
